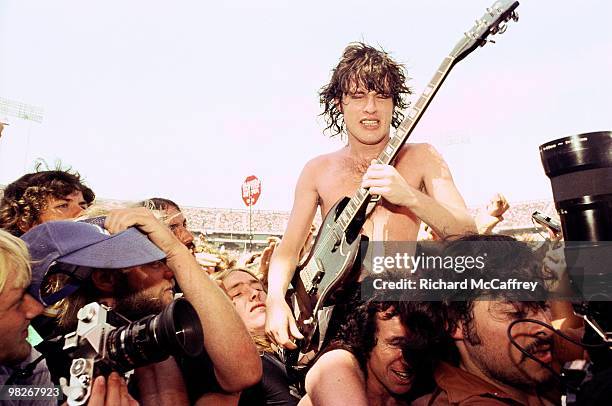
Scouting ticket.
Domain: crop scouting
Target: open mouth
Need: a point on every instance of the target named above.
(370, 123)
(543, 355)
(541, 350)
(402, 375)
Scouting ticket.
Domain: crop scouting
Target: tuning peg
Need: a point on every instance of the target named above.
(515, 16)
(502, 28)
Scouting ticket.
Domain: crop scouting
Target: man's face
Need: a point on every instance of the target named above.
(17, 308)
(387, 371)
(151, 288)
(177, 223)
(367, 115)
(249, 298)
(66, 208)
(489, 349)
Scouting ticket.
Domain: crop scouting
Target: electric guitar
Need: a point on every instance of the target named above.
(332, 257)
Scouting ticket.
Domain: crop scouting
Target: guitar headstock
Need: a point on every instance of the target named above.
(492, 22)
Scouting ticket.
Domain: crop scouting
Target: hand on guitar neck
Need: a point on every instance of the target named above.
(386, 181)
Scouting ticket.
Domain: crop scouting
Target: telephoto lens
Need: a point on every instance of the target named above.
(580, 172)
(175, 331)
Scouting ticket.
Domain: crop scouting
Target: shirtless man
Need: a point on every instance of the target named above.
(363, 100)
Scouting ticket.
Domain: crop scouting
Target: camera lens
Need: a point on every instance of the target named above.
(175, 331)
(580, 172)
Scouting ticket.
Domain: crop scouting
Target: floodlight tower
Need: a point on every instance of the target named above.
(21, 111)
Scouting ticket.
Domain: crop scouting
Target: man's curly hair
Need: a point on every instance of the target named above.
(366, 67)
(425, 344)
(506, 258)
(26, 198)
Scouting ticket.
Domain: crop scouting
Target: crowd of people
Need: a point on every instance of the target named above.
(62, 251)
(217, 220)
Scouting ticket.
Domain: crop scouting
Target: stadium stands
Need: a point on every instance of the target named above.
(225, 225)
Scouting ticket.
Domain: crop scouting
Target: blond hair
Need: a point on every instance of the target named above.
(262, 343)
(14, 255)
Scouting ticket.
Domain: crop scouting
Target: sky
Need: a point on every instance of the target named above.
(185, 99)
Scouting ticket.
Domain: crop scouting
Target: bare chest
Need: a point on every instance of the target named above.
(386, 222)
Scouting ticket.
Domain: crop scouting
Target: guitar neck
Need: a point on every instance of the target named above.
(414, 114)
(393, 147)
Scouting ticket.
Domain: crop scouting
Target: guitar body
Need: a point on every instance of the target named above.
(327, 268)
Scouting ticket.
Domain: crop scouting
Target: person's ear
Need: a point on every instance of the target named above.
(104, 280)
(457, 333)
(338, 103)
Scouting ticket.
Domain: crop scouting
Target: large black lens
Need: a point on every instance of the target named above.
(175, 331)
(580, 171)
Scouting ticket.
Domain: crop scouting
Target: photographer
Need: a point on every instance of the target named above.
(489, 369)
(17, 308)
(125, 271)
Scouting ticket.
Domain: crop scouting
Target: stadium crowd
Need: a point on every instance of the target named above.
(221, 332)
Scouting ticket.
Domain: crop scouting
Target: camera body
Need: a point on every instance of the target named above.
(88, 348)
(105, 341)
(546, 221)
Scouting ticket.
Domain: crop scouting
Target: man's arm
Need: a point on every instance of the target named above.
(336, 379)
(230, 347)
(562, 313)
(492, 215)
(161, 384)
(442, 208)
(280, 323)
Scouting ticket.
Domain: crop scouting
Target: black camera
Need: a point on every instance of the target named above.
(105, 341)
(580, 172)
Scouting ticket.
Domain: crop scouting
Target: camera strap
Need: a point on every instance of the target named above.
(24, 372)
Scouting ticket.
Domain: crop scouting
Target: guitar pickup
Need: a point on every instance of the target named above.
(317, 277)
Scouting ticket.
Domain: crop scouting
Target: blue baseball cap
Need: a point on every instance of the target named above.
(79, 247)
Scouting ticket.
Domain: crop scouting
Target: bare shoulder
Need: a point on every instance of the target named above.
(336, 359)
(336, 379)
(417, 152)
(338, 368)
(422, 157)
